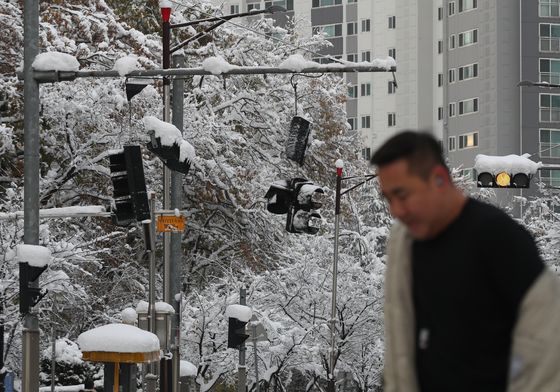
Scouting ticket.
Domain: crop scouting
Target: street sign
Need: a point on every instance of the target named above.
(170, 223)
(256, 329)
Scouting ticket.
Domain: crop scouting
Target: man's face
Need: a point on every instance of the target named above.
(413, 200)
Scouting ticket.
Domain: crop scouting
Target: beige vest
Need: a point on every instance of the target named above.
(535, 364)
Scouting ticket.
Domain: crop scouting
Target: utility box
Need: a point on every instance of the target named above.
(164, 319)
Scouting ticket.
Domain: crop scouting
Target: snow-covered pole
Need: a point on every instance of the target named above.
(175, 242)
(30, 355)
(241, 370)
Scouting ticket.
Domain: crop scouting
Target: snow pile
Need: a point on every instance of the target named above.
(512, 164)
(34, 255)
(126, 65)
(129, 316)
(296, 63)
(165, 4)
(240, 312)
(188, 369)
(65, 351)
(121, 338)
(55, 61)
(306, 193)
(161, 307)
(217, 65)
(386, 63)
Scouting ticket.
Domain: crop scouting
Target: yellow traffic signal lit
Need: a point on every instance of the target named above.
(503, 179)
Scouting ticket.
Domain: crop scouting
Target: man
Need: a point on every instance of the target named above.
(469, 304)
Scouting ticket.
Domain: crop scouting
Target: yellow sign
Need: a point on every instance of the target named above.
(170, 223)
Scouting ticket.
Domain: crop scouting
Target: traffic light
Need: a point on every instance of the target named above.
(176, 156)
(503, 180)
(236, 333)
(297, 198)
(29, 292)
(296, 144)
(129, 186)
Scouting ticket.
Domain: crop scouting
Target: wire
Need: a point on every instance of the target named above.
(259, 33)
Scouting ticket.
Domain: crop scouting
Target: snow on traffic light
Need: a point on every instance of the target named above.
(510, 171)
(33, 261)
(238, 317)
(298, 198)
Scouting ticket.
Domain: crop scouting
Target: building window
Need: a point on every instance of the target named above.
(329, 31)
(451, 8)
(393, 53)
(549, 107)
(253, 6)
(391, 119)
(366, 153)
(451, 143)
(353, 123)
(550, 177)
(452, 42)
(366, 55)
(325, 3)
(549, 143)
(468, 140)
(468, 106)
(353, 92)
(451, 75)
(468, 72)
(352, 28)
(549, 34)
(451, 110)
(390, 87)
(439, 79)
(392, 20)
(366, 121)
(352, 57)
(467, 5)
(549, 70)
(287, 4)
(234, 9)
(440, 113)
(549, 8)
(468, 38)
(440, 46)
(352, 1)
(365, 89)
(366, 25)
(440, 13)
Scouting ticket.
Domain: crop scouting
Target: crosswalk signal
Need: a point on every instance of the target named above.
(30, 293)
(503, 180)
(129, 186)
(237, 335)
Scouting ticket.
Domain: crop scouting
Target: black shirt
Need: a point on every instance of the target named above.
(467, 286)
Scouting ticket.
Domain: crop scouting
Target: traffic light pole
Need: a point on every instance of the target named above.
(333, 351)
(241, 369)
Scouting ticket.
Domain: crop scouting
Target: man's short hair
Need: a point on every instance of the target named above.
(420, 149)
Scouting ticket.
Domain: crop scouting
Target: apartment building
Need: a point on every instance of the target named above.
(459, 63)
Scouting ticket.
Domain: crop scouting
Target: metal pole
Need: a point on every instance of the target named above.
(149, 233)
(332, 357)
(256, 358)
(241, 370)
(53, 358)
(2, 374)
(30, 379)
(175, 245)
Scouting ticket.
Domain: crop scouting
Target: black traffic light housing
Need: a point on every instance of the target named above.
(129, 186)
(30, 294)
(296, 144)
(296, 198)
(503, 180)
(236, 333)
(169, 155)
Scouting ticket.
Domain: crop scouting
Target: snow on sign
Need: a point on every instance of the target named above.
(170, 223)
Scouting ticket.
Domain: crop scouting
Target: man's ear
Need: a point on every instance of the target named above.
(440, 176)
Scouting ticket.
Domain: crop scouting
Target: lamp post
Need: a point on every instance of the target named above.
(339, 171)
